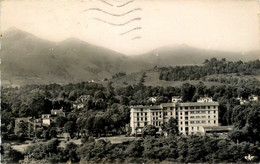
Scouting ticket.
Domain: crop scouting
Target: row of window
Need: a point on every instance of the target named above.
(141, 114)
(186, 107)
(190, 107)
(138, 124)
(138, 119)
(197, 122)
(171, 113)
(192, 128)
(201, 116)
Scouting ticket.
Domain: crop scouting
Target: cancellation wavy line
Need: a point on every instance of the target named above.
(106, 3)
(119, 24)
(138, 37)
(118, 15)
(134, 29)
(125, 3)
(110, 4)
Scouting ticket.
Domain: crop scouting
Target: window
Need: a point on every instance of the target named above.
(141, 118)
(186, 107)
(214, 116)
(198, 112)
(180, 117)
(181, 129)
(203, 107)
(197, 107)
(203, 111)
(186, 123)
(208, 111)
(186, 113)
(141, 114)
(181, 113)
(176, 113)
(137, 119)
(191, 116)
(192, 128)
(208, 121)
(208, 116)
(214, 111)
(192, 122)
(145, 123)
(186, 129)
(197, 116)
(203, 116)
(192, 107)
(138, 124)
(198, 128)
(214, 121)
(181, 122)
(203, 122)
(146, 114)
(192, 112)
(137, 114)
(180, 108)
(197, 122)
(145, 119)
(214, 107)
(186, 118)
(208, 107)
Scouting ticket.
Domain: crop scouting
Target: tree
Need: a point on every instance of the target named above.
(73, 95)
(53, 133)
(60, 121)
(9, 155)
(70, 128)
(149, 130)
(187, 92)
(171, 127)
(98, 125)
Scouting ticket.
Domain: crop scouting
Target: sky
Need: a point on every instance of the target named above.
(134, 27)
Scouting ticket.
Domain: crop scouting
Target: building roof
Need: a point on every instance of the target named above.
(177, 104)
(190, 104)
(147, 107)
(198, 103)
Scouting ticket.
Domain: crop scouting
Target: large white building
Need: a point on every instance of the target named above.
(192, 117)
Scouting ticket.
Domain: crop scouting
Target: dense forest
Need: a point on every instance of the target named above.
(107, 112)
(209, 67)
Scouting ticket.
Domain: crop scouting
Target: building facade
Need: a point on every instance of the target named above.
(192, 116)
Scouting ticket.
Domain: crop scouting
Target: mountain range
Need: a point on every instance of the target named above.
(27, 59)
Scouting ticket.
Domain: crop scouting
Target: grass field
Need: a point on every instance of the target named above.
(151, 79)
(117, 139)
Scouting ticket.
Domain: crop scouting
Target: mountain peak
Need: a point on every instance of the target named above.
(15, 33)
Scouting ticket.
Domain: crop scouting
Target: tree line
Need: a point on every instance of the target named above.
(209, 67)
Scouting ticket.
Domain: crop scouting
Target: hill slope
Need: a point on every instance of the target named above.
(28, 59)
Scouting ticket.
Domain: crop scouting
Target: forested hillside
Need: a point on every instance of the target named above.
(107, 112)
(210, 67)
